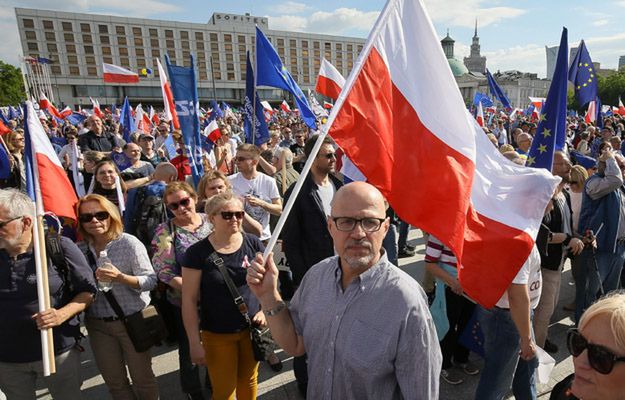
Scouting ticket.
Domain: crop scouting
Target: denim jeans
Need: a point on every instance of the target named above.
(502, 366)
(404, 227)
(390, 244)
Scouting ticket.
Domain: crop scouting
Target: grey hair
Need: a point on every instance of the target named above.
(16, 203)
(287, 154)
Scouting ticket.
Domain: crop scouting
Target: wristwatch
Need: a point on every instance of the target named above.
(274, 311)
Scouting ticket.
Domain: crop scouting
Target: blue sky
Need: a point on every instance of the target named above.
(513, 34)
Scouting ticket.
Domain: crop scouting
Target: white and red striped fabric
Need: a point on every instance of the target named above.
(480, 115)
(591, 112)
(53, 186)
(537, 102)
(621, 108)
(330, 81)
(45, 104)
(168, 97)
(212, 131)
(285, 106)
(96, 107)
(402, 121)
(66, 112)
(142, 120)
(117, 74)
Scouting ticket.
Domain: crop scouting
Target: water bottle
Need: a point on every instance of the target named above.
(104, 262)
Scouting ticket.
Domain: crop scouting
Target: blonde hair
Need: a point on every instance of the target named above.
(504, 148)
(579, 174)
(612, 306)
(210, 176)
(218, 201)
(116, 226)
(173, 187)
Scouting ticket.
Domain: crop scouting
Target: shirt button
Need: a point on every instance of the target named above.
(337, 317)
(329, 369)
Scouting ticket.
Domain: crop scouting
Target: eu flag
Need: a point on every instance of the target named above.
(255, 128)
(482, 98)
(271, 72)
(126, 120)
(217, 113)
(496, 91)
(551, 131)
(582, 75)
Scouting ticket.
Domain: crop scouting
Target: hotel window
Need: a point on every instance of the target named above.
(123, 51)
(72, 59)
(88, 49)
(169, 43)
(124, 62)
(350, 48)
(52, 48)
(156, 53)
(199, 36)
(140, 52)
(103, 29)
(339, 47)
(106, 50)
(293, 43)
(70, 48)
(30, 35)
(227, 38)
(154, 43)
(32, 46)
(120, 30)
(228, 47)
(67, 26)
(199, 45)
(92, 71)
(56, 69)
(280, 42)
(169, 33)
(141, 62)
(153, 32)
(28, 23)
(47, 24)
(50, 36)
(315, 45)
(136, 30)
(121, 40)
(90, 60)
(214, 46)
(242, 39)
(105, 39)
(138, 42)
(184, 35)
(87, 39)
(85, 28)
(216, 67)
(74, 71)
(108, 60)
(69, 37)
(184, 44)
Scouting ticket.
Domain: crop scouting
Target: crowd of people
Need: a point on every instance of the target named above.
(357, 326)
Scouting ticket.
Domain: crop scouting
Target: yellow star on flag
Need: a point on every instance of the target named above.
(585, 64)
(542, 117)
(585, 84)
(579, 87)
(546, 132)
(542, 148)
(589, 80)
(531, 161)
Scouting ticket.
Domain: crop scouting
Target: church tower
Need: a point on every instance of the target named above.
(475, 62)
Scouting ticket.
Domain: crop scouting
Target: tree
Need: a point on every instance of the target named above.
(11, 85)
(609, 90)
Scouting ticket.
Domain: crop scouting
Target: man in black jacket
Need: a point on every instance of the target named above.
(97, 138)
(305, 235)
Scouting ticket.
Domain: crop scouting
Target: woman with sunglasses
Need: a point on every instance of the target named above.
(17, 177)
(132, 278)
(107, 183)
(598, 349)
(221, 338)
(171, 241)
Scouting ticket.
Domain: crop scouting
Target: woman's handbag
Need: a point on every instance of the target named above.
(262, 343)
(145, 328)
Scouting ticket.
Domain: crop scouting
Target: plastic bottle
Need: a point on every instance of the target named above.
(104, 262)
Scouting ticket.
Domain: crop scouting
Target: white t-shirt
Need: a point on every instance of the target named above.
(529, 275)
(263, 187)
(326, 193)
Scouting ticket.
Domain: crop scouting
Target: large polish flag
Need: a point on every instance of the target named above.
(49, 182)
(330, 81)
(168, 97)
(402, 121)
(117, 74)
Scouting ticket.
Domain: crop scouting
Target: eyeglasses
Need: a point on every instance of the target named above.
(184, 203)
(5, 223)
(600, 359)
(87, 217)
(348, 224)
(227, 215)
(241, 159)
(329, 155)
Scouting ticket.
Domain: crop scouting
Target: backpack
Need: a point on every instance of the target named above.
(150, 212)
(54, 251)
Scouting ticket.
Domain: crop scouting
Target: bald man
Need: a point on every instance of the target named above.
(363, 322)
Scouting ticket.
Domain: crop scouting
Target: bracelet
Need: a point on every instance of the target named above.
(274, 311)
(567, 240)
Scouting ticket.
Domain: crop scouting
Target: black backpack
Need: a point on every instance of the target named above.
(54, 251)
(150, 212)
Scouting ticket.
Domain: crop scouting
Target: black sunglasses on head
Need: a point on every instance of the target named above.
(227, 215)
(600, 359)
(184, 202)
(87, 217)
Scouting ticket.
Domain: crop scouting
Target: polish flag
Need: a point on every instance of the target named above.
(154, 116)
(403, 122)
(45, 104)
(330, 81)
(116, 74)
(621, 108)
(47, 182)
(591, 112)
(66, 112)
(480, 115)
(327, 105)
(96, 107)
(168, 97)
(212, 131)
(285, 106)
(537, 101)
(142, 121)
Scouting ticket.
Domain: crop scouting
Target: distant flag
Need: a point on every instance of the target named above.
(5, 164)
(285, 106)
(43, 60)
(591, 112)
(267, 106)
(170, 146)
(4, 129)
(327, 105)
(330, 81)
(551, 132)
(537, 101)
(271, 72)
(153, 116)
(76, 118)
(216, 113)
(599, 113)
(496, 90)
(482, 98)
(96, 107)
(211, 134)
(254, 124)
(66, 112)
(126, 120)
(3, 117)
(45, 104)
(116, 74)
(621, 107)
(480, 115)
(583, 76)
(13, 113)
(168, 98)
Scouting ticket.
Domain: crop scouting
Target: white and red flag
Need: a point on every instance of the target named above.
(480, 115)
(168, 98)
(117, 74)
(212, 131)
(96, 107)
(402, 121)
(142, 120)
(285, 106)
(330, 81)
(45, 104)
(591, 112)
(621, 107)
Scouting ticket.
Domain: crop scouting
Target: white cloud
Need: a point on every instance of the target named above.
(463, 13)
(338, 22)
(290, 7)
(288, 23)
(523, 58)
(600, 22)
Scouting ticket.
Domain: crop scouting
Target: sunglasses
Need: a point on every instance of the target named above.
(241, 159)
(600, 359)
(329, 155)
(5, 223)
(184, 203)
(227, 215)
(87, 217)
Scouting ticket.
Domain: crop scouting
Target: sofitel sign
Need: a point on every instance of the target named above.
(241, 19)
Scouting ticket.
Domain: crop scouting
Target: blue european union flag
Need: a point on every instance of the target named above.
(271, 72)
(255, 128)
(482, 98)
(496, 91)
(125, 118)
(13, 113)
(599, 116)
(583, 76)
(551, 131)
(184, 89)
(5, 164)
(217, 113)
(76, 118)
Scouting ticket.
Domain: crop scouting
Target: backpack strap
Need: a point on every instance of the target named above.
(54, 250)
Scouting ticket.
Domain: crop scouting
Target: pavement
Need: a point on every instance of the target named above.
(282, 386)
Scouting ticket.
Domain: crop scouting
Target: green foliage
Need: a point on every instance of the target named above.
(11, 85)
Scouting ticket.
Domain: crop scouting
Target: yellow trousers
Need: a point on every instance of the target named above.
(231, 365)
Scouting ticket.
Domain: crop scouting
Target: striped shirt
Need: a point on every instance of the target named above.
(436, 252)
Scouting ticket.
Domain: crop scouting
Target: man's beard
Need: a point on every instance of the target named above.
(6, 243)
(357, 262)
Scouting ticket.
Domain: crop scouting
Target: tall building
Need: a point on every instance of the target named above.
(78, 44)
(475, 62)
(552, 56)
(621, 63)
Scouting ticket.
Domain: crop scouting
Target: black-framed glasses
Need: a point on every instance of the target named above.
(87, 217)
(348, 224)
(5, 223)
(183, 202)
(227, 215)
(600, 358)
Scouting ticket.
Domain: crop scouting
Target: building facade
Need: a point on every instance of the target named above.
(475, 62)
(78, 44)
(621, 63)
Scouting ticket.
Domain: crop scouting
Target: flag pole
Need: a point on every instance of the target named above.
(254, 96)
